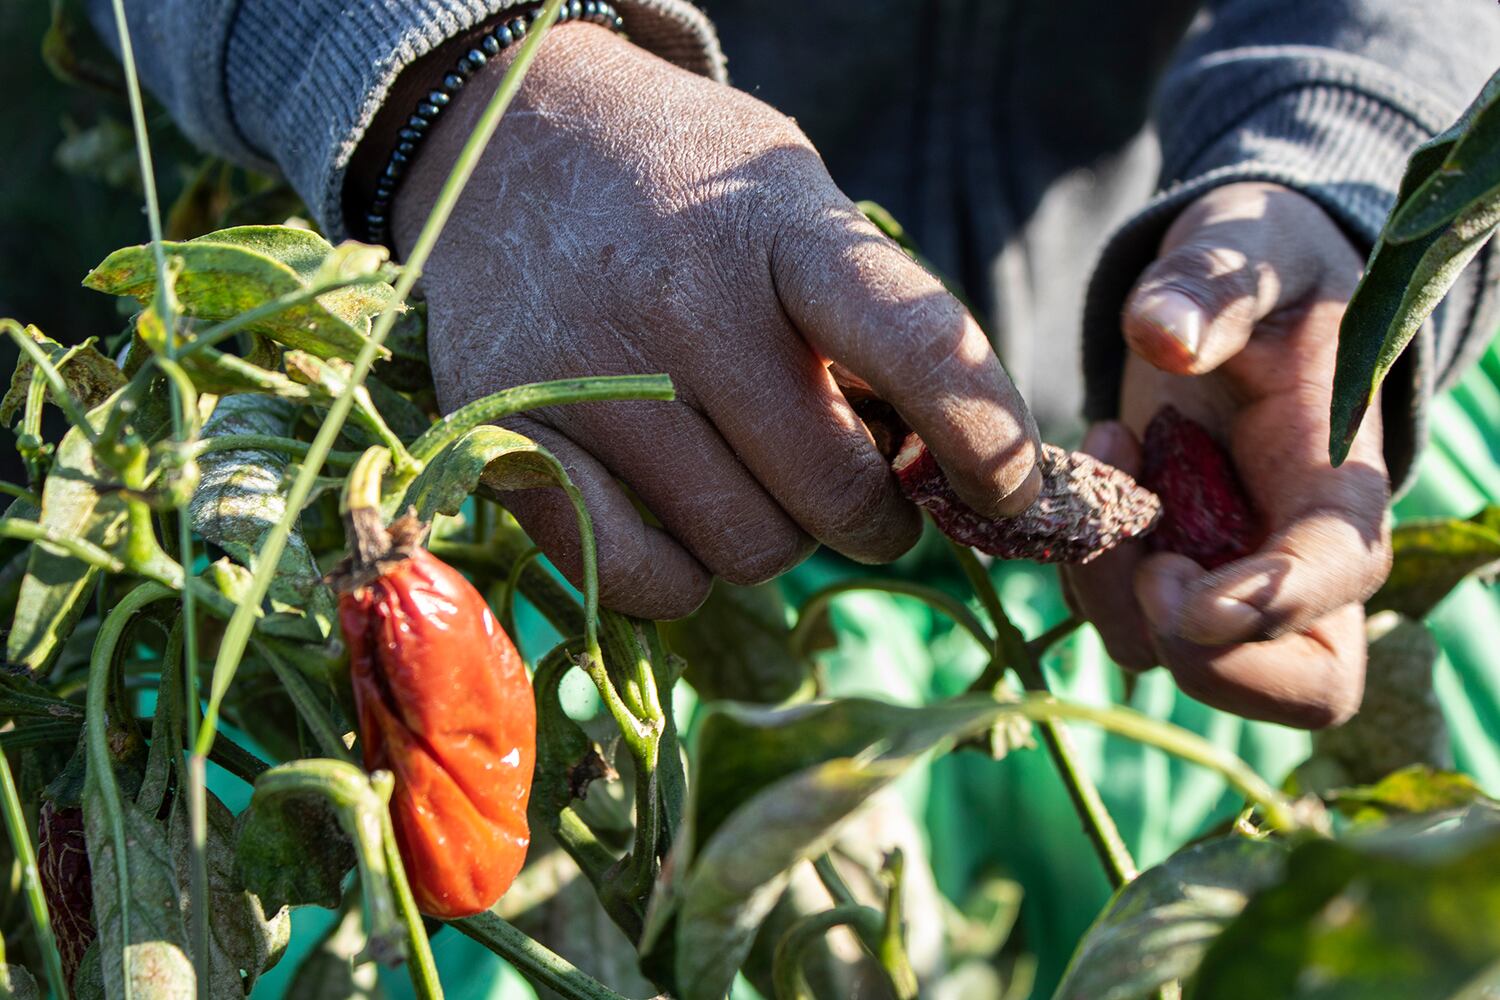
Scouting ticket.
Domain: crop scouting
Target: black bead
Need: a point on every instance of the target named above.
(504, 37)
(590, 10)
(490, 44)
(518, 28)
(417, 123)
(375, 221)
(393, 170)
(400, 157)
(409, 135)
(619, 24)
(406, 148)
(576, 9)
(475, 59)
(430, 110)
(384, 189)
(439, 98)
(453, 81)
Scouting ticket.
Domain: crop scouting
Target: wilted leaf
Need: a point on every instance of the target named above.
(1386, 915)
(155, 961)
(234, 270)
(239, 499)
(1158, 927)
(1403, 283)
(242, 934)
(291, 850)
(1431, 557)
(53, 594)
(771, 789)
(330, 971)
(738, 646)
(1400, 722)
(502, 459)
(90, 376)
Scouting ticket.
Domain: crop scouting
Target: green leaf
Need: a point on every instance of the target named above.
(1413, 790)
(1412, 267)
(291, 850)
(1431, 557)
(501, 459)
(334, 968)
(90, 376)
(772, 788)
(1387, 914)
(738, 646)
(16, 983)
(240, 498)
(1470, 172)
(243, 936)
(1158, 927)
(235, 270)
(156, 963)
(54, 592)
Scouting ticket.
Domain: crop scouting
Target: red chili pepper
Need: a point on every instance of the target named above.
(445, 705)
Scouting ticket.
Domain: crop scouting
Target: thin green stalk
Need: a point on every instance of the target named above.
(20, 493)
(420, 964)
(813, 608)
(183, 397)
(237, 635)
(20, 842)
(1279, 810)
(1011, 651)
(79, 548)
(786, 966)
(533, 960)
(488, 409)
(100, 773)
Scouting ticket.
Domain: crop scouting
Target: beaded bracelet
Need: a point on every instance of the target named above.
(491, 44)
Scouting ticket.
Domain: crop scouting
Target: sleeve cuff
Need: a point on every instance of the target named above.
(1343, 147)
(306, 96)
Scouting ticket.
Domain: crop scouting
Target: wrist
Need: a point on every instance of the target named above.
(468, 67)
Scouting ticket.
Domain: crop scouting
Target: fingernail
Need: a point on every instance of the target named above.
(1103, 440)
(1223, 621)
(1176, 315)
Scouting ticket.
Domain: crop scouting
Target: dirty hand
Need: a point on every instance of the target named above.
(1236, 325)
(632, 218)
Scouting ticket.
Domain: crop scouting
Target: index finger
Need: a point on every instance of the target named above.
(859, 300)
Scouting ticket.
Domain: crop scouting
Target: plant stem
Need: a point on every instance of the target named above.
(100, 774)
(420, 964)
(1011, 650)
(306, 702)
(45, 367)
(237, 635)
(786, 965)
(20, 842)
(533, 960)
(814, 607)
(20, 493)
(488, 409)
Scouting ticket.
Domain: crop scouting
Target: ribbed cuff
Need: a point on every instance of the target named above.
(1308, 129)
(304, 78)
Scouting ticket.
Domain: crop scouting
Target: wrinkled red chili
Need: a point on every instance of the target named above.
(445, 705)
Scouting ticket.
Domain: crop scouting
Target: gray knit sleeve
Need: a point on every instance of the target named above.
(1329, 98)
(291, 85)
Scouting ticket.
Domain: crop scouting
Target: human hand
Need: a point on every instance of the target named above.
(1236, 325)
(630, 217)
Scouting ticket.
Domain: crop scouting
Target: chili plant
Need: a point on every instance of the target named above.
(265, 428)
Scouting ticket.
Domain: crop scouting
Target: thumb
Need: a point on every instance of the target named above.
(859, 300)
(1231, 260)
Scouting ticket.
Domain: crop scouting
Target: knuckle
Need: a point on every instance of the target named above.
(765, 555)
(861, 519)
